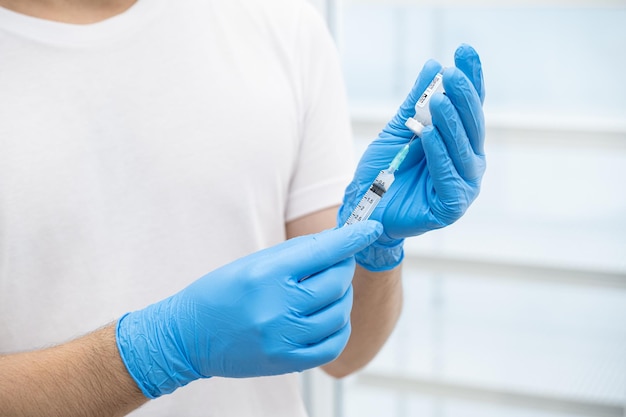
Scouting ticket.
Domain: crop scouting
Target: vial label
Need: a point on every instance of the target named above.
(432, 87)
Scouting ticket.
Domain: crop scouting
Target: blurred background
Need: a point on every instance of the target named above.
(518, 309)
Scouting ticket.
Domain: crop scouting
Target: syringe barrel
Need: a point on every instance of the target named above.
(372, 197)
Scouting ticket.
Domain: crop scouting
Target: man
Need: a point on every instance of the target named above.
(147, 142)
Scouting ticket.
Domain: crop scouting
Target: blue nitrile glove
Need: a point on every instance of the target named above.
(252, 317)
(440, 176)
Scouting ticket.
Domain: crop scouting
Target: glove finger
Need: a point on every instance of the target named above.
(305, 256)
(396, 126)
(324, 288)
(468, 105)
(449, 125)
(318, 326)
(448, 203)
(467, 60)
(325, 351)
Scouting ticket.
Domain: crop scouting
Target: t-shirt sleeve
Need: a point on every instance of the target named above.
(325, 161)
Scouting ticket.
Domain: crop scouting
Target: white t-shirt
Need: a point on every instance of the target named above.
(141, 152)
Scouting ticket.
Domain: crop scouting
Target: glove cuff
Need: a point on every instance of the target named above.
(128, 353)
(141, 346)
(379, 257)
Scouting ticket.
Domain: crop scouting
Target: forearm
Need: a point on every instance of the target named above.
(375, 312)
(84, 377)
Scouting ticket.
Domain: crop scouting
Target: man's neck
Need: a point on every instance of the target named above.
(69, 11)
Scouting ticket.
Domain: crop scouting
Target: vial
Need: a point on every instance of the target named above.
(422, 116)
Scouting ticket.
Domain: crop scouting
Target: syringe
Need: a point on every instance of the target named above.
(386, 177)
(379, 187)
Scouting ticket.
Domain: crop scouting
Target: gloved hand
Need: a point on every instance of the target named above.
(253, 317)
(440, 176)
